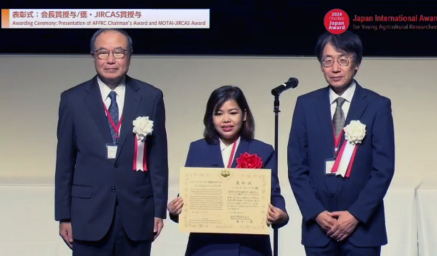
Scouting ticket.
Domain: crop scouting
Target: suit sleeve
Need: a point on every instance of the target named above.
(65, 160)
(158, 159)
(188, 163)
(371, 196)
(298, 167)
(277, 199)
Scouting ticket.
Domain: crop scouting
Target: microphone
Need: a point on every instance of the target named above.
(291, 83)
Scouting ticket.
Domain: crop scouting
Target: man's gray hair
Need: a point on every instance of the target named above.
(98, 32)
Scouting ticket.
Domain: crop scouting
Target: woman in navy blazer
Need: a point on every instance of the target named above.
(228, 120)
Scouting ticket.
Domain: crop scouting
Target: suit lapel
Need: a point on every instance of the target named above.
(323, 108)
(131, 101)
(95, 105)
(358, 105)
(242, 148)
(216, 155)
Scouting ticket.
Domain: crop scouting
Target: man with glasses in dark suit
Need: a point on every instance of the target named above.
(341, 156)
(111, 165)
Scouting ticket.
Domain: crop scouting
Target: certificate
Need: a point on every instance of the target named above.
(225, 200)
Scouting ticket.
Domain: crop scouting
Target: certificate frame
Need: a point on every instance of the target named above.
(225, 200)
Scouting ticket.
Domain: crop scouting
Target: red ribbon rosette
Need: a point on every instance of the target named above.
(249, 161)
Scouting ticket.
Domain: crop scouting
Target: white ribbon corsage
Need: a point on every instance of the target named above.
(142, 127)
(354, 132)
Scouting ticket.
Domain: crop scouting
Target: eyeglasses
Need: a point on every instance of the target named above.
(342, 61)
(104, 54)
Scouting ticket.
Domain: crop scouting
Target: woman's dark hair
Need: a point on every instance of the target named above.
(216, 100)
(347, 42)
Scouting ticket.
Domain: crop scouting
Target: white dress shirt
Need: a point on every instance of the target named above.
(347, 95)
(227, 150)
(119, 90)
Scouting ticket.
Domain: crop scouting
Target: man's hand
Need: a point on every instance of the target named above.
(276, 215)
(159, 224)
(175, 206)
(66, 232)
(345, 225)
(326, 221)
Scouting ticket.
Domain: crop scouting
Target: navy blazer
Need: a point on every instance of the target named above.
(204, 154)
(312, 142)
(87, 183)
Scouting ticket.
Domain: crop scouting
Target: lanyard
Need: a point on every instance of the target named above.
(111, 121)
(337, 143)
(231, 158)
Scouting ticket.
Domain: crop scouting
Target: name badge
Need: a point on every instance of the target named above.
(112, 150)
(329, 163)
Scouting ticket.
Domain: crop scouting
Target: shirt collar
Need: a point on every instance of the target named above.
(119, 90)
(347, 95)
(223, 146)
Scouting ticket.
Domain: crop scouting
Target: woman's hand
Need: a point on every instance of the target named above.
(175, 206)
(276, 215)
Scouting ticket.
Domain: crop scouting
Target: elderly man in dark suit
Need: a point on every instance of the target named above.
(111, 165)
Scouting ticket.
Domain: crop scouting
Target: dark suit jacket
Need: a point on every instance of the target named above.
(203, 154)
(87, 183)
(312, 142)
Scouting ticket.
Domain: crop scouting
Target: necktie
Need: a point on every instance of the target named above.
(113, 110)
(338, 119)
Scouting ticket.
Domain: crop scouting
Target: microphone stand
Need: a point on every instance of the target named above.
(276, 110)
(291, 83)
